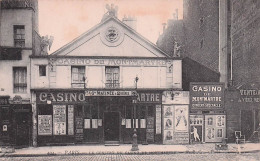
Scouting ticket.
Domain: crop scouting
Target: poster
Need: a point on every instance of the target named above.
(136, 123)
(86, 123)
(210, 133)
(94, 123)
(142, 123)
(181, 118)
(220, 121)
(168, 135)
(59, 119)
(168, 123)
(158, 119)
(150, 129)
(168, 111)
(196, 133)
(70, 119)
(123, 122)
(128, 123)
(99, 122)
(79, 128)
(44, 124)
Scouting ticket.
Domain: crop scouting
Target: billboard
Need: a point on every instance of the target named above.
(207, 95)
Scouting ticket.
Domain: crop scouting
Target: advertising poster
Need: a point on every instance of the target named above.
(158, 119)
(168, 135)
(168, 111)
(59, 119)
(128, 123)
(142, 123)
(70, 120)
(196, 133)
(86, 123)
(79, 128)
(181, 118)
(220, 122)
(94, 123)
(44, 124)
(168, 123)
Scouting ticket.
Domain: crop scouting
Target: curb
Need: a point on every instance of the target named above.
(125, 153)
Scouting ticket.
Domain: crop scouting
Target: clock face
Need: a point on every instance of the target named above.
(112, 34)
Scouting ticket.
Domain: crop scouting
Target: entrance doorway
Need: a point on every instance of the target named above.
(111, 126)
(22, 129)
(247, 123)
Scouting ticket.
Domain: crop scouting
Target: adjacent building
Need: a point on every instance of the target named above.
(18, 32)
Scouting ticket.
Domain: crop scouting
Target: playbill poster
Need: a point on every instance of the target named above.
(44, 124)
(59, 119)
(181, 118)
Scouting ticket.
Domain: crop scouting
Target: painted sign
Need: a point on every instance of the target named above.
(109, 93)
(109, 62)
(60, 96)
(44, 124)
(158, 119)
(70, 119)
(175, 97)
(206, 95)
(249, 95)
(181, 138)
(59, 119)
(148, 97)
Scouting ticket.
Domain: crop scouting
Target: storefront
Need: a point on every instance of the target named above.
(207, 114)
(97, 116)
(175, 117)
(15, 121)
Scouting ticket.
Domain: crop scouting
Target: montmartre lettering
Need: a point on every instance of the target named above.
(62, 97)
(148, 97)
(205, 99)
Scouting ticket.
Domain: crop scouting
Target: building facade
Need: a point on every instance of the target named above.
(103, 85)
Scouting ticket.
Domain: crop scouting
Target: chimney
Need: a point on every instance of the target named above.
(130, 21)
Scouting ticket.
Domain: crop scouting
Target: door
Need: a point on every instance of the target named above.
(247, 123)
(22, 129)
(111, 126)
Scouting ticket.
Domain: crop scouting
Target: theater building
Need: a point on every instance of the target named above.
(101, 85)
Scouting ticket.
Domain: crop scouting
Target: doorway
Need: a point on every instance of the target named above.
(247, 123)
(22, 129)
(111, 126)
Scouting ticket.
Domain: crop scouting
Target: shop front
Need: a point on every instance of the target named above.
(15, 121)
(96, 116)
(207, 114)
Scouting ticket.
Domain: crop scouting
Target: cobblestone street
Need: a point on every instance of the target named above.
(165, 157)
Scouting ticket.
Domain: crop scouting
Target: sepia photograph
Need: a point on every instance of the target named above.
(130, 80)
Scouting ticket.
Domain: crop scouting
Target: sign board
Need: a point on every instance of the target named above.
(44, 124)
(17, 99)
(207, 95)
(109, 93)
(59, 119)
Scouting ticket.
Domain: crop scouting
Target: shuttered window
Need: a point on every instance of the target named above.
(112, 77)
(19, 36)
(78, 75)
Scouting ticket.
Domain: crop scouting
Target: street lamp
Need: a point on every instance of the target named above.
(134, 144)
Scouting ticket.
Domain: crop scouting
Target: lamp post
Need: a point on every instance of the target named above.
(134, 144)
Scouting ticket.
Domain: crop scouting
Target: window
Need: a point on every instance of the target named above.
(78, 76)
(112, 77)
(42, 70)
(19, 36)
(20, 79)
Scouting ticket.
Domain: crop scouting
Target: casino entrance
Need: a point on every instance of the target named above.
(111, 127)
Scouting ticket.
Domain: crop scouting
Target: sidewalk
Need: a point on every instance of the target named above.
(126, 149)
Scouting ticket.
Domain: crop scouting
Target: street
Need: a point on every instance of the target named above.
(163, 157)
